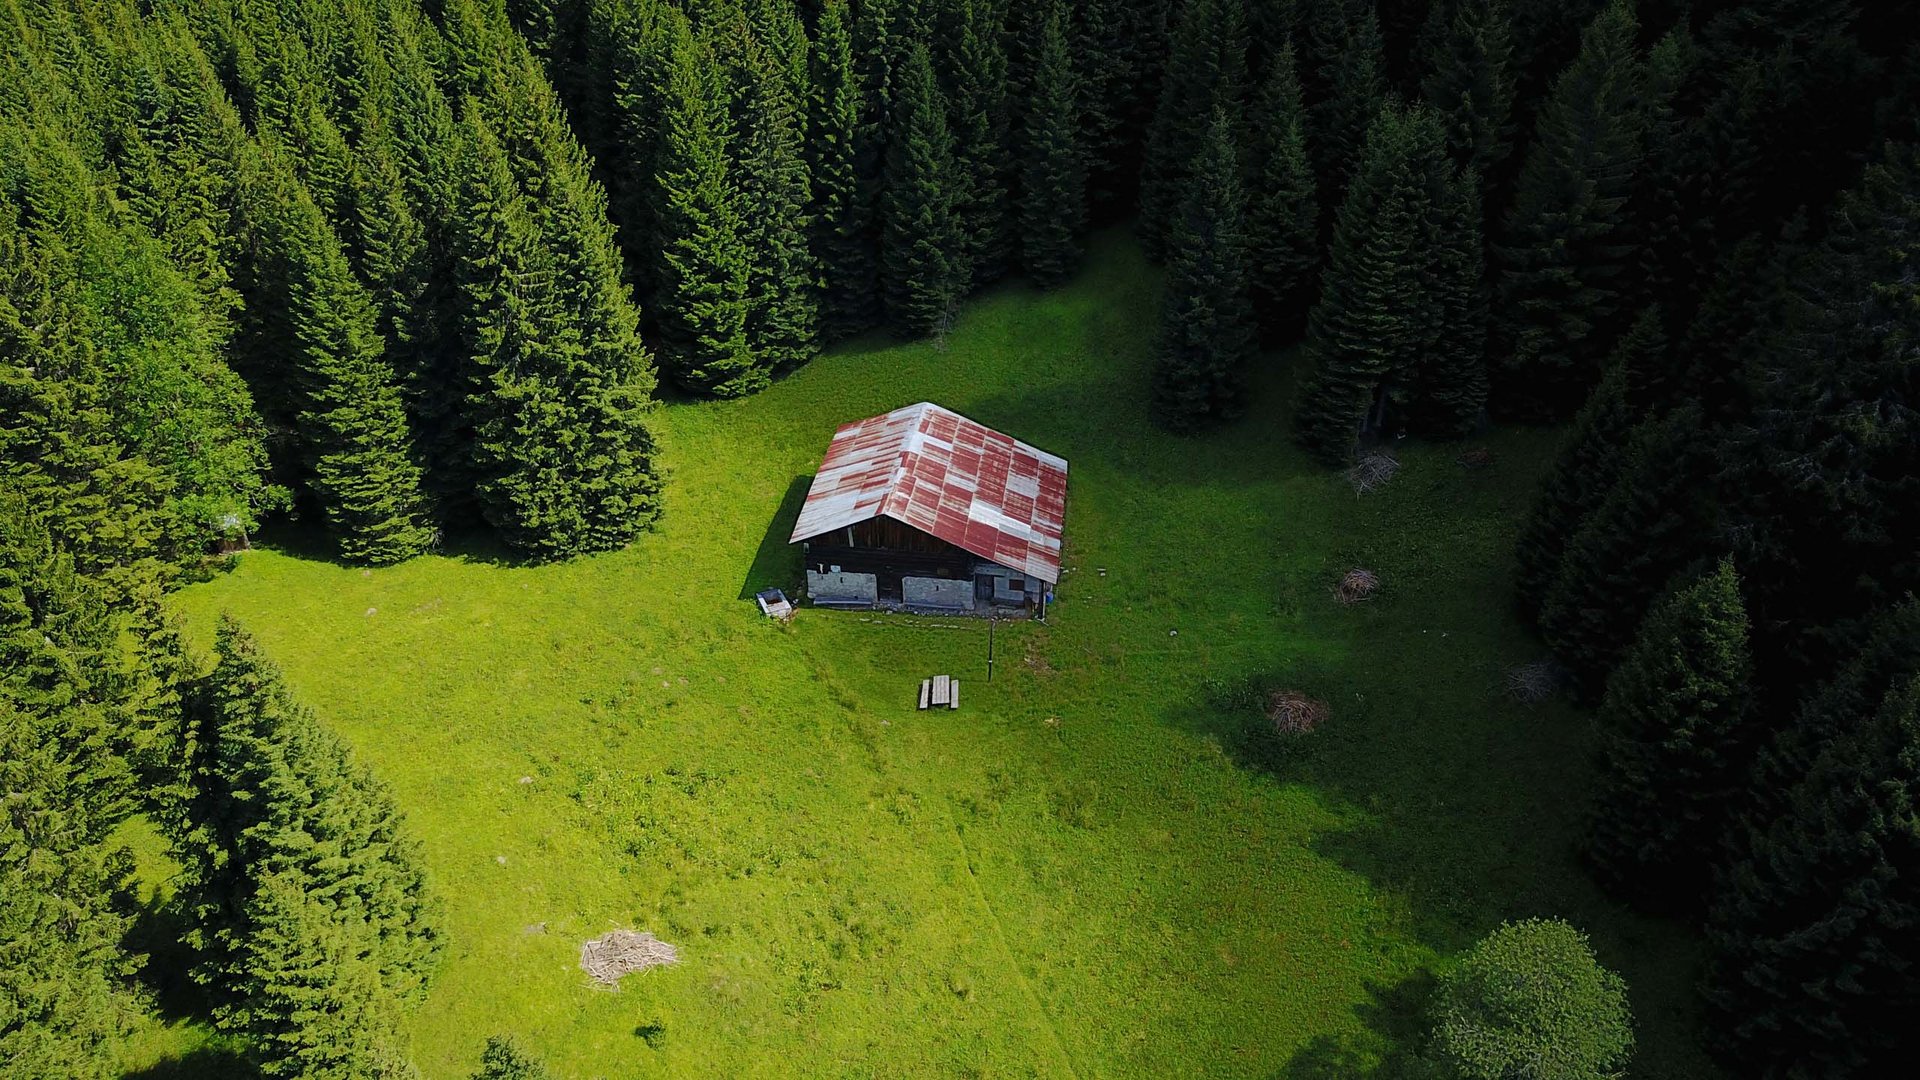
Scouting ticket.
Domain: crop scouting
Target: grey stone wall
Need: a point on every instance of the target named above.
(842, 587)
(952, 594)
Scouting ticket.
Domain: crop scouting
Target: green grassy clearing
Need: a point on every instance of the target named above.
(1080, 873)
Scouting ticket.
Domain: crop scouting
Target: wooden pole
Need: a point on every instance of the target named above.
(990, 621)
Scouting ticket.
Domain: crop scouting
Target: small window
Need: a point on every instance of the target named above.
(1016, 585)
(944, 572)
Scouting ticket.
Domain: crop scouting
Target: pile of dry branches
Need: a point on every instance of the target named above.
(1294, 713)
(621, 952)
(1533, 683)
(1356, 585)
(1477, 458)
(1374, 468)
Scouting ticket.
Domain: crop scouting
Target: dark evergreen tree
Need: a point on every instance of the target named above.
(843, 227)
(1207, 328)
(782, 279)
(64, 1003)
(1677, 745)
(1566, 249)
(1283, 216)
(1377, 310)
(1652, 522)
(982, 115)
(1469, 79)
(1206, 73)
(353, 419)
(1813, 969)
(700, 298)
(1829, 476)
(1119, 49)
(1052, 207)
(1449, 390)
(277, 801)
(924, 245)
(879, 53)
(1590, 460)
(308, 995)
(1878, 657)
(1345, 38)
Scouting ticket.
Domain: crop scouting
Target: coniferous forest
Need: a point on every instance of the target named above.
(388, 275)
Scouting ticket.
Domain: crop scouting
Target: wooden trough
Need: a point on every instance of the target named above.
(941, 691)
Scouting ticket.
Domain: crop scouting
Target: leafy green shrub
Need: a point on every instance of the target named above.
(1530, 1002)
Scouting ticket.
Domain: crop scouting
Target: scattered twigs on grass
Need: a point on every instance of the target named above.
(622, 952)
(1477, 458)
(1534, 682)
(1356, 585)
(1371, 470)
(1294, 713)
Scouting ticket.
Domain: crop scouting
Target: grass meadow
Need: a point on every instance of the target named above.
(1091, 869)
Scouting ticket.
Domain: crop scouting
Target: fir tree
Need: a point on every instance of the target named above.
(353, 420)
(924, 248)
(1677, 748)
(1377, 311)
(842, 218)
(1591, 458)
(1566, 249)
(782, 280)
(1346, 42)
(1207, 328)
(1053, 179)
(1814, 952)
(278, 799)
(1206, 72)
(982, 135)
(1450, 385)
(1469, 79)
(1283, 216)
(64, 1004)
(309, 998)
(1651, 523)
(700, 298)
(1531, 1001)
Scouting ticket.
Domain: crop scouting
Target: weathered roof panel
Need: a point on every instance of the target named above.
(944, 474)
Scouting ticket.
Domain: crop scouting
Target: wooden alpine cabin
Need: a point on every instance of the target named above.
(924, 509)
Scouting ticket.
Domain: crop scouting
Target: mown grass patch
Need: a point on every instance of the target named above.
(1093, 868)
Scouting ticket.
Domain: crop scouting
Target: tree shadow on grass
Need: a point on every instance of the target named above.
(776, 563)
(200, 1063)
(157, 934)
(1392, 1022)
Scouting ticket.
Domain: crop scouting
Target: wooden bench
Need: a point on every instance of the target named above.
(941, 690)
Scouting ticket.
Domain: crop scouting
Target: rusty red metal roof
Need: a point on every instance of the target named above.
(944, 474)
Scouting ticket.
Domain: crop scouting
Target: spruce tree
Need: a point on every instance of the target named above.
(64, 1003)
(278, 799)
(924, 246)
(1651, 523)
(981, 111)
(1566, 251)
(1053, 178)
(1377, 311)
(353, 420)
(1530, 1001)
(1283, 215)
(1590, 459)
(1814, 956)
(310, 1004)
(1469, 79)
(1206, 72)
(1450, 385)
(842, 218)
(1676, 745)
(782, 279)
(1346, 42)
(701, 278)
(1207, 329)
